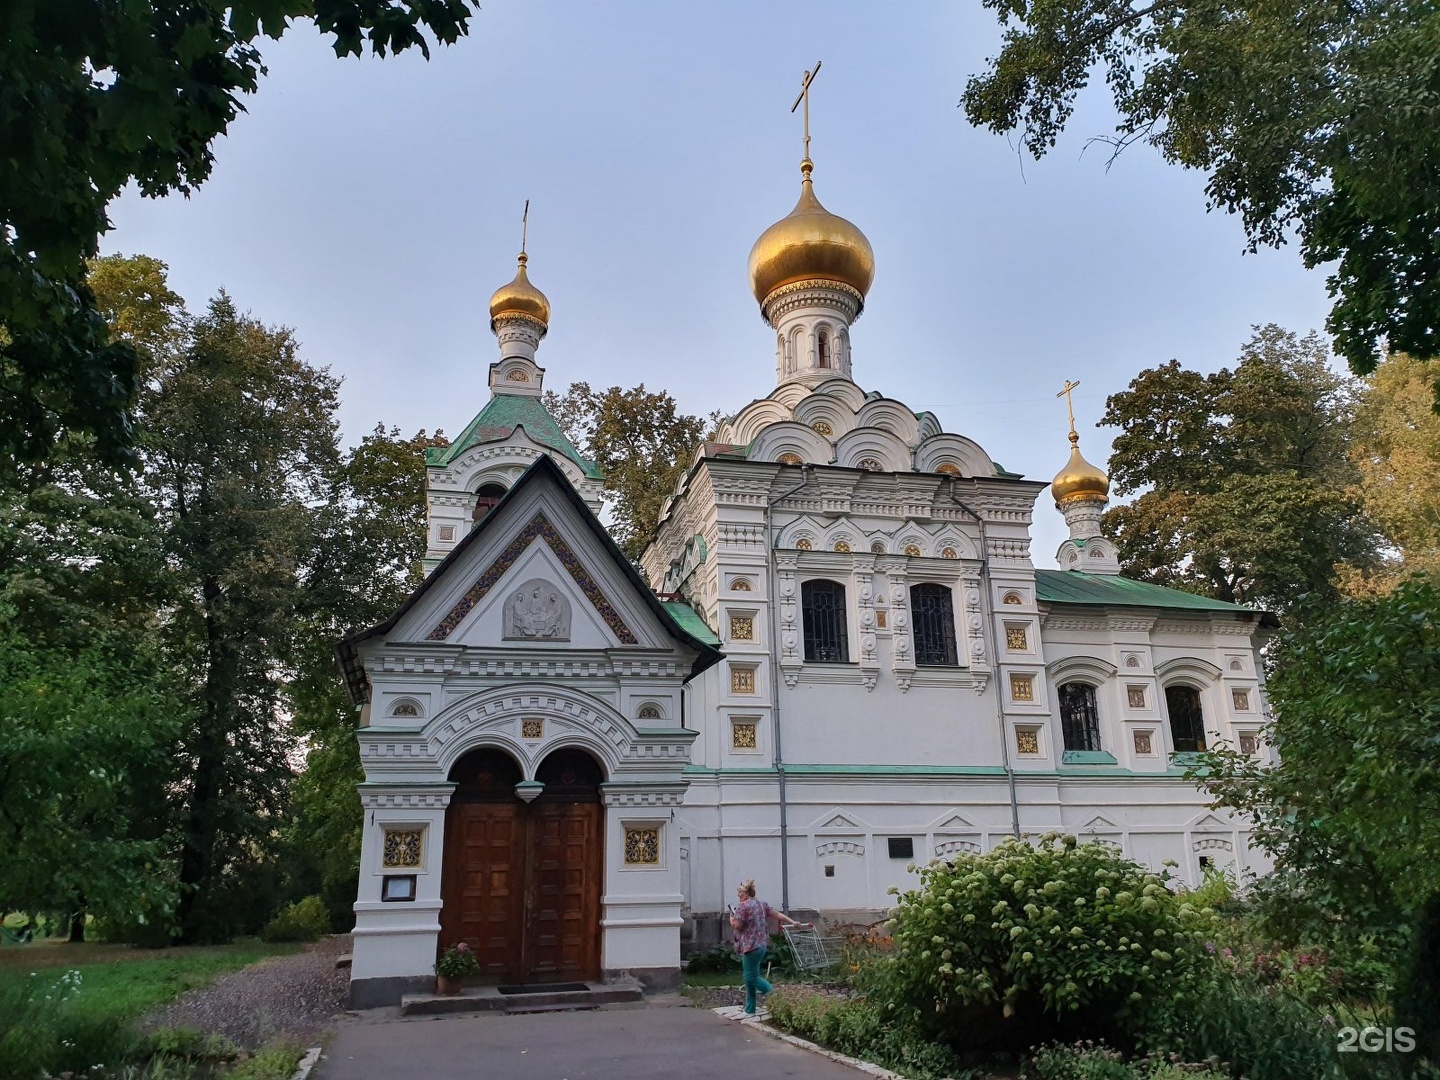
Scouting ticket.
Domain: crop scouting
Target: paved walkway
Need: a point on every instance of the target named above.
(657, 1040)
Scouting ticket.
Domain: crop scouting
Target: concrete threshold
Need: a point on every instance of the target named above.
(489, 998)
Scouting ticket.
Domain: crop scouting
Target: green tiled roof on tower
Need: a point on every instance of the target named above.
(499, 418)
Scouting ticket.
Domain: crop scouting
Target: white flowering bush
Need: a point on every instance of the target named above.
(1034, 942)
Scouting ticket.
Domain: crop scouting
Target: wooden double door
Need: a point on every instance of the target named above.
(521, 882)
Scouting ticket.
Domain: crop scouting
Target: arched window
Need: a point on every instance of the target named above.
(1187, 722)
(486, 498)
(822, 605)
(1079, 718)
(822, 345)
(934, 625)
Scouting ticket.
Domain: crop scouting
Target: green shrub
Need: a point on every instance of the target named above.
(859, 1028)
(1264, 1033)
(717, 958)
(1029, 944)
(1091, 1061)
(304, 920)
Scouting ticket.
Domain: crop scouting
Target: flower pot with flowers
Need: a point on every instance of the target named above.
(454, 964)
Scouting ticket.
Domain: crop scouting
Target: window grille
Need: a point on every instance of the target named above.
(934, 626)
(1079, 718)
(1187, 722)
(822, 604)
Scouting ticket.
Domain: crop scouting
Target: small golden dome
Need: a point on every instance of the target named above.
(810, 243)
(519, 297)
(1079, 479)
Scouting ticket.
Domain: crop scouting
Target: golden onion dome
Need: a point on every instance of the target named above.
(1079, 479)
(519, 297)
(810, 243)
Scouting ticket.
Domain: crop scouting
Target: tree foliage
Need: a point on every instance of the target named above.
(84, 749)
(1352, 809)
(641, 442)
(1247, 489)
(97, 95)
(1396, 451)
(1308, 116)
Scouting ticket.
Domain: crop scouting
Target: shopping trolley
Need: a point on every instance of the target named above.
(811, 950)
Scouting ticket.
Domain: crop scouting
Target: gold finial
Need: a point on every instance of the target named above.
(524, 231)
(1070, 408)
(806, 164)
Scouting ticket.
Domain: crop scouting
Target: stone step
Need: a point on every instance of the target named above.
(519, 1000)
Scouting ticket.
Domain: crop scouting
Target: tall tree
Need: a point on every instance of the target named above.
(239, 447)
(642, 444)
(1396, 451)
(374, 539)
(95, 95)
(1247, 491)
(1309, 117)
(1352, 809)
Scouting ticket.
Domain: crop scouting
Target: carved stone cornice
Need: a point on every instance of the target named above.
(812, 292)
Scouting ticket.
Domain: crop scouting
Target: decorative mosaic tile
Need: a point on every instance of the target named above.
(1249, 744)
(648, 712)
(1142, 743)
(1135, 696)
(1015, 639)
(532, 728)
(822, 428)
(1012, 598)
(740, 585)
(402, 849)
(1027, 741)
(406, 708)
(742, 628)
(518, 376)
(1022, 687)
(744, 735)
(949, 553)
(948, 469)
(538, 527)
(842, 546)
(912, 550)
(447, 533)
(788, 458)
(880, 617)
(642, 847)
(802, 544)
(742, 680)
(1240, 699)
(869, 464)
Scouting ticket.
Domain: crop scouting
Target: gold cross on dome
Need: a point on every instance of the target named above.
(1069, 388)
(524, 226)
(805, 97)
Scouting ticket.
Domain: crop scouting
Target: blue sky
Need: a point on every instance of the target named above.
(374, 205)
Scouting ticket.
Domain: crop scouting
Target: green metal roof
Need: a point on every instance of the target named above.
(690, 621)
(499, 418)
(1078, 587)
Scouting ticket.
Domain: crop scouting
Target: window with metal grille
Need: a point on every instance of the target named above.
(934, 625)
(1079, 718)
(822, 603)
(1187, 722)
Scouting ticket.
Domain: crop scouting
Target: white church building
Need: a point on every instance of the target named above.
(837, 659)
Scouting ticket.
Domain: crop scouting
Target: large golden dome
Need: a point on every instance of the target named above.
(1079, 479)
(810, 243)
(519, 297)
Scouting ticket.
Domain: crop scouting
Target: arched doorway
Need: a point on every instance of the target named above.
(521, 882)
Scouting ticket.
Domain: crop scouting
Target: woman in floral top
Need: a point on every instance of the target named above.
(750, 919)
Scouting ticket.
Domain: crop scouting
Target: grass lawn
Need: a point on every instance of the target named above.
(123, 982)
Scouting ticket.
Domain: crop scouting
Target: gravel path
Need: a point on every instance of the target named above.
(296, 997)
